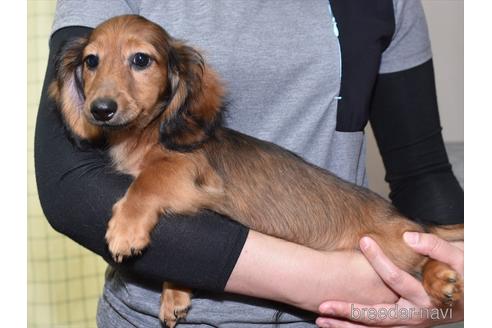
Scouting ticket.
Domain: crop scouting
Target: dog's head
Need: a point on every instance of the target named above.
(129, 73)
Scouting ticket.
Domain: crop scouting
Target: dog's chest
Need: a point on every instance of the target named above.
(128, 157)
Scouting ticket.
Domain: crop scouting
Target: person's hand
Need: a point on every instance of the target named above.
(414, 307)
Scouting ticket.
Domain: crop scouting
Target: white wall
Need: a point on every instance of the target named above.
(445, 21)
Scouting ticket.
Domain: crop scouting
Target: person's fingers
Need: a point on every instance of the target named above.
(436, 248)
(400, 281)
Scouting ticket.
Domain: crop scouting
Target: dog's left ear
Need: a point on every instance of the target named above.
(194, 103)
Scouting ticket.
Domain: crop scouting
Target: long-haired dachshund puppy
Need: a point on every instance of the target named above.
(158, 106)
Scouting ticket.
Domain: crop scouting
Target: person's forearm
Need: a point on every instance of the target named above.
(405, 121)
(278, 270)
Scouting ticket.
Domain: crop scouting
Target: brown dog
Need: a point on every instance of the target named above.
(158, 105)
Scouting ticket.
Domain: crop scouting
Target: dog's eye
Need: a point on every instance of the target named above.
(91, 61)
(141, 60)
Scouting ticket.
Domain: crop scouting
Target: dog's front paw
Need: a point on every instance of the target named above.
(126, 236)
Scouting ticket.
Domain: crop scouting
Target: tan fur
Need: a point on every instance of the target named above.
(167, 134)
(442, 283)
(179, 301)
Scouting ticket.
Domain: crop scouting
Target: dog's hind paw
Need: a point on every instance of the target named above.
(175, 303)
(443, 284)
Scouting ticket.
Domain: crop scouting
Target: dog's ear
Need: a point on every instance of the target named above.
(194, 94)
(67, 91)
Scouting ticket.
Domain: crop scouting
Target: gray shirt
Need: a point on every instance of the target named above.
(281, 63)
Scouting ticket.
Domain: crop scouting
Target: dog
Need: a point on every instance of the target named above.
(158, 106)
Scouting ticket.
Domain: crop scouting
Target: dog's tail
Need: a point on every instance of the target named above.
(454, 232)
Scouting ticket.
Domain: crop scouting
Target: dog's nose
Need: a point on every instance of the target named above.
(103, 109)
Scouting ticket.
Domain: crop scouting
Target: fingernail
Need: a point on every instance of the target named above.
(411, 238)
(364, 243)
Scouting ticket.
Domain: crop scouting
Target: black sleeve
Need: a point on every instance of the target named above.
(405, 121)
(77, 190)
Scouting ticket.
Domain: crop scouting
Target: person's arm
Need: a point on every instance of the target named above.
(405, 120)
(274, 269)
(77, 190)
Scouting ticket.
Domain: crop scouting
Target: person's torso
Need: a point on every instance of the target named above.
(281, 62)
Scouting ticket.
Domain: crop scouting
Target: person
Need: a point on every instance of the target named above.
(305, 75)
